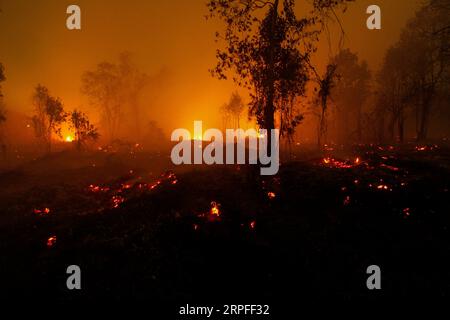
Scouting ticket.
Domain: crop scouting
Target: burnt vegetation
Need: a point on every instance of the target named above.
(372, 187)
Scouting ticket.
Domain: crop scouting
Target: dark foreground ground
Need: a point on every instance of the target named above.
(226, 234)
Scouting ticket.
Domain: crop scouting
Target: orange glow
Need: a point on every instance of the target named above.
(271, 195)
(51, 241)
(117, 200)
(214, 209)
(42, 212)
(69, 139)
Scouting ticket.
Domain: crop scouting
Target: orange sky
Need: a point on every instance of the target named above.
(36, 47)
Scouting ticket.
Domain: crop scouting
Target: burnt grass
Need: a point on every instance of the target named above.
(314, 239)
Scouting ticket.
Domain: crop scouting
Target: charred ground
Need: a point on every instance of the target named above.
(141, 229)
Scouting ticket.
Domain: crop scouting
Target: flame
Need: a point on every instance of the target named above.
(43, 211)
(51, 241)
(271, 195)
(214, 209)
(69, 139)
(253, 224)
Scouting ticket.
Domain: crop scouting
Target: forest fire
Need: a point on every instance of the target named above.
(319, 158)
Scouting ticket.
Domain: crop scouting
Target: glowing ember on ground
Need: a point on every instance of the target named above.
(382, 187)
(252, 224)
(117, 200)
(51, 241)
(154, 185)
(95, 188)
(389, 167)
(333, 163)
(42, 212)
(347, 201)
(406, 212)
(271, 195)
(214, 209)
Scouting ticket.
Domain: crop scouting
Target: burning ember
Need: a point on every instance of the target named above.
(95, 188)
(383, 187)
(51, 241)
(117, 200)
(347, 201)
(271, 195)
(406, 212)
(252, 224)
(425, 148)
(215, 211)
(44, 211)
(333, 163)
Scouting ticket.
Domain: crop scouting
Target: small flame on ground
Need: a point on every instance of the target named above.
(271, 195)
(51, 241)
(43, 211)
(215, 211)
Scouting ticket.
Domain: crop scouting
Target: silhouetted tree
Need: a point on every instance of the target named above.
(427, 38)
(268, 49)
(84, 130)
(350, 92)
(114, 88)
(48, 117)
(395, 90)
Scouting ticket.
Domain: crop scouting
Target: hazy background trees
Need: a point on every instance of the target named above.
(415, 72)
(349, 94)
(231, 111)
(115, 89)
